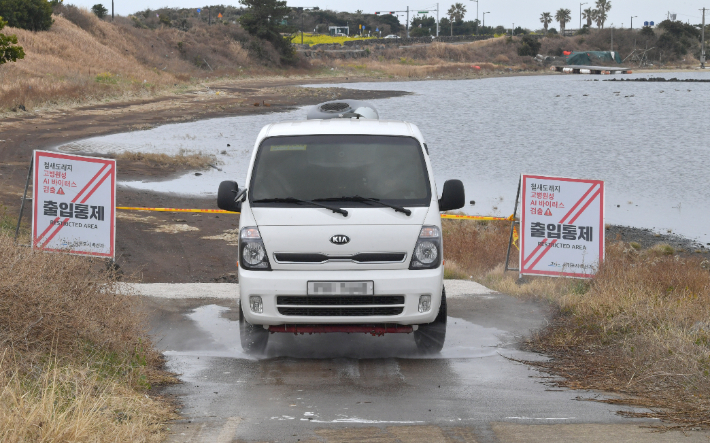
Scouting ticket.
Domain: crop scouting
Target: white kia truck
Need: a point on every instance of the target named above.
(340, 229)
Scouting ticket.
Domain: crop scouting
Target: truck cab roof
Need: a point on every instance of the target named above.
(350, 126)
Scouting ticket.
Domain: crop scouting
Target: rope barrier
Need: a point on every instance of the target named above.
(220, 211)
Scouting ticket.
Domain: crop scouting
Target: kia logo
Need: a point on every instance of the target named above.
(340, 239)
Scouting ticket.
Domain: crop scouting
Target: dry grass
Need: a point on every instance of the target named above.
(183, 159)
(641, 327)
(74, 358)
(98, 60)
(69, 403)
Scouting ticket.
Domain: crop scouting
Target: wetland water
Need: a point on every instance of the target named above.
(647, 141)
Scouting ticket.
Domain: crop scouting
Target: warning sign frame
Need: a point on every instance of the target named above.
(582, 204)
(40, 240)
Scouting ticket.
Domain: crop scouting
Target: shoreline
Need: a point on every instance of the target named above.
(179, 247)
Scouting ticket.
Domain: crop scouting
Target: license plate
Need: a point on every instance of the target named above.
(341, 288)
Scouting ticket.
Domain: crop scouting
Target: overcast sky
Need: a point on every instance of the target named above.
(524, 13)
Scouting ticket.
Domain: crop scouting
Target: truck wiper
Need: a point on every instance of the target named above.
(357, 198)
(296, 200)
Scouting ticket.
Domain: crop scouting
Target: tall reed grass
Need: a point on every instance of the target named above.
(641, 327)
(75, 361)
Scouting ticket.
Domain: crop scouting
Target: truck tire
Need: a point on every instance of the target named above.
(430, 337)
(254, 338)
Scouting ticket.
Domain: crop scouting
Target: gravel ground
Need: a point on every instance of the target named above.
(648, 238)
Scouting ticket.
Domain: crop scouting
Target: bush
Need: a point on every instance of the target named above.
(9, 51)
(647, 31)
(530, 47)
(99, 10)
(33, 15)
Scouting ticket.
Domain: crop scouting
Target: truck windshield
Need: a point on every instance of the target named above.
(317, 167)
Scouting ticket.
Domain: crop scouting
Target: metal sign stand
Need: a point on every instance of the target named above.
(24, 198)
(512, 227)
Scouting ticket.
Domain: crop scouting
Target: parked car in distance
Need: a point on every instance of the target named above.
(391, 36)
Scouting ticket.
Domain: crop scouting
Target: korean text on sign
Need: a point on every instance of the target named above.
(562, 226)
(74, 204)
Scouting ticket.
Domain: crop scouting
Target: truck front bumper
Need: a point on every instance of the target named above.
(411, 284)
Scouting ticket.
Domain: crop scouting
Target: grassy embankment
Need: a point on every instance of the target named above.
(75, 363)
(84, 60)
(640, 328)
(183, 159)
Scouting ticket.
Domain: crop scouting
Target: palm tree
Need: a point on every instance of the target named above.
(546, 19)
(563, 16)
(603, 8)
(588, 14)
(456, 13)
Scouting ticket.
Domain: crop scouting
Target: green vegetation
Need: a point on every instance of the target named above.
(33, 15)
(9, 51)
(263, 20)
(99, 10)
(529, 46)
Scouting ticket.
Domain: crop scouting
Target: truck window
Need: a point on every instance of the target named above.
(332, 166)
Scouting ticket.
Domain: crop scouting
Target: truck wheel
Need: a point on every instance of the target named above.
(430, 337)
(253, 337)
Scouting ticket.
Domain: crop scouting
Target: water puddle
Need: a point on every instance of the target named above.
(464, 340)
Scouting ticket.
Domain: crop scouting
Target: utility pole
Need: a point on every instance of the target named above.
(702, 52)
(437, 19)
(111, 10)
(632, 21)
(407, 21)
(302, 14)
(476, 15)
(612, 36)
(484, 18)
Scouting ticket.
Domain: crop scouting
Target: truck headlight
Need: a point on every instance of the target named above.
(427, 251)
(252, 253)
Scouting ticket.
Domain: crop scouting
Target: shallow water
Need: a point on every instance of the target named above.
(463, 340)
(647, 141)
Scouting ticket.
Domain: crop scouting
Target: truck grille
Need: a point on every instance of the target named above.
(339, 312)
(363, 257)
(340, 300)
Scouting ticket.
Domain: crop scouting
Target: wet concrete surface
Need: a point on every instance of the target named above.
(341, 388)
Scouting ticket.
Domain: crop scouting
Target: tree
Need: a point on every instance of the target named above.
(99, 10)
(262, 19)
(456, 13)
(588, 14)
(563, 16)
(33, 15)
(529, 46)
(546, 19)
(9, 51)
(603, 8)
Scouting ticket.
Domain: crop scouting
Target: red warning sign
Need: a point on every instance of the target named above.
(74, 204)
(557, 241)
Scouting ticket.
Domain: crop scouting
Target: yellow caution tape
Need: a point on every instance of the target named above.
(515, 237)
(221, 211)
(476, 217)
(211, 211)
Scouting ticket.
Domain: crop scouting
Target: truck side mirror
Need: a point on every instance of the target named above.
(453, 196)
(228, 192)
